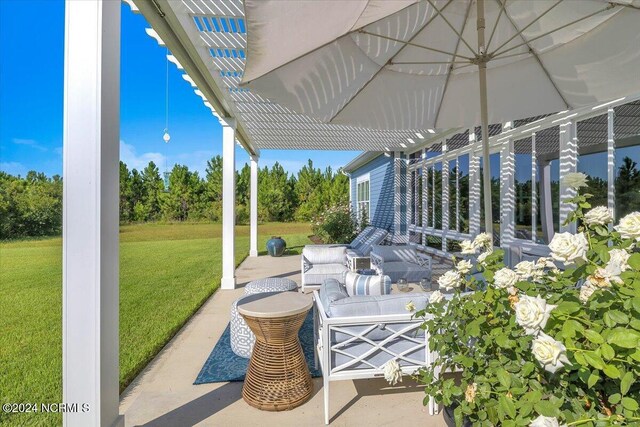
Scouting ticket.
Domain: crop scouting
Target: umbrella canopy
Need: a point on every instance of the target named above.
(438, 63)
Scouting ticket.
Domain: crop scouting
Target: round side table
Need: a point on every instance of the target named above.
(278, 378)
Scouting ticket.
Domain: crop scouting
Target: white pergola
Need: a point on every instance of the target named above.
(207, 41)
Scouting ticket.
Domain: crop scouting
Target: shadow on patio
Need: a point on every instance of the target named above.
(164, 394)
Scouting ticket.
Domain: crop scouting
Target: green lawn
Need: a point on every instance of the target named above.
(166, 272)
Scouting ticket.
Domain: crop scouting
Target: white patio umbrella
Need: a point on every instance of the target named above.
(411, 64)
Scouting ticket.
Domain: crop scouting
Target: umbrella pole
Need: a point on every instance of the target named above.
(486, 164)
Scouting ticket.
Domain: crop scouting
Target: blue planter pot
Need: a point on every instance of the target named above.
(276, 246)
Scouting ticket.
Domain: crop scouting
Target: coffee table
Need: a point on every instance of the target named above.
(278, 378)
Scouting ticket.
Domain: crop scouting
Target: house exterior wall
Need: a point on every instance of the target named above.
(381, 190)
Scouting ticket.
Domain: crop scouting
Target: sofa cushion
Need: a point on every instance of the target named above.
(317, 274)
(396, 253)
(360, 284)
(331, 291)
(404, 270)
(377, 305)
(324, 254)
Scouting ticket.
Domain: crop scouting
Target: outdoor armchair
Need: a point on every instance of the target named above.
(400, 262)
(320, 262)
(355, 337)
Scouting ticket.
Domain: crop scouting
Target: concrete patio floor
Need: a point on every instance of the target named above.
(164, 394)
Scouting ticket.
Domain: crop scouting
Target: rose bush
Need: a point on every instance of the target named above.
(337, 224)
(549, 343)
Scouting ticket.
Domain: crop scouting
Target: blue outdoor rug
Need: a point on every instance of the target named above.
(224, 365)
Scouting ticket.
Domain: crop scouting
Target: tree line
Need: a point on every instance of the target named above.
(32, 206)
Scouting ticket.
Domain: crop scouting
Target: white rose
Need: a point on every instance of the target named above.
(470, 392)
(436, 297)
(483, 240)
(602, 277)
(629, 226)
(483, 257)
(449, 280)
(543, 421)
(392, 372)
(619, 258)
(504, 278)
(569, 248)
(550, 353)
(525, 269)
(532, 313)
(586, 291)
(575, 180)
(467, 248)
(464, 267)
(600, 215)
(544, 262)
(410, 306)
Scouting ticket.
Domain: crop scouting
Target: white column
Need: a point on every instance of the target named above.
(474, 186)
(507, 191)
(445, 195)
(458, 194)
(397, 188)
(546, 206)
(568, 164)
(611, 165)
(228, 202)
(253, 204)
(90, 342)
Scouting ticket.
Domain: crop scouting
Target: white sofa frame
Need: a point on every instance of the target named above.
(325, 325)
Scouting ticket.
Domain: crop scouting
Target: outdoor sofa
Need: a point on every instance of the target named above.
(400, 262)
(320, 262)
(355, 336)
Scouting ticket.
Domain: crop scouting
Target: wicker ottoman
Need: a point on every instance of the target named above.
(242, 339)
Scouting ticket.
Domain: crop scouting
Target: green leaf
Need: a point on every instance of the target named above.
(503, 377)
(635, 303)
(593, 379)
(625, 383)
(607, 351)
(546, 408)
(630, 404)
(611, 371)
(579, 356)
(615, 398)
(634, 261)
(593, 336)
(567, 307)
(507, 406)
(625, 338)
(618, 316)
(594, 360)
(527, 368)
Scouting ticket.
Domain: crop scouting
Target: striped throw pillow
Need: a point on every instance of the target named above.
(360, 284)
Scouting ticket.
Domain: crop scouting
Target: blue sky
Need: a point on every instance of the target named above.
(31, 100)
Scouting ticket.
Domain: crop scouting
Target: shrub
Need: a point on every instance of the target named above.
(335, 225)
(537, 344)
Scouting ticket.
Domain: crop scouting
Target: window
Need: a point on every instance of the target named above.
(494, 163)
(523, 189)
(362, 197)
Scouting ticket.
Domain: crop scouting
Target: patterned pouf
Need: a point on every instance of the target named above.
(242, 339)
(270, 284)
